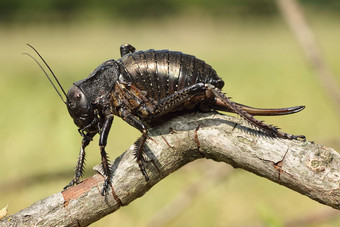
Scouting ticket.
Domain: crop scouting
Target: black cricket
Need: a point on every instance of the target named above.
(142, 88)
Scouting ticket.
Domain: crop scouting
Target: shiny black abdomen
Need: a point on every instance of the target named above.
(162, 72)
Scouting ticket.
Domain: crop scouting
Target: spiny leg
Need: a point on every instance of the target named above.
(168, 103)
(162, 107)
(139, 144)
(271, 130)
(106, 169)
(105, 161)
(172, 101)
(139, 149)
(80, 164)
(126, 49)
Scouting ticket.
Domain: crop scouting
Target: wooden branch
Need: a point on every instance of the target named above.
(210, 179)
(311, 169)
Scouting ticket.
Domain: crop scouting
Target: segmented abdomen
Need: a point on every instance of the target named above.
(162, 72)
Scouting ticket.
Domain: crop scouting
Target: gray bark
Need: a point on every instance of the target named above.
(308, 168)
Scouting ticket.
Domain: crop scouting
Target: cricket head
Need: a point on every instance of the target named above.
(78, 105)
(81, 110)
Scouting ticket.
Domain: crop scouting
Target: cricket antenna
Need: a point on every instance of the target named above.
(64, 101)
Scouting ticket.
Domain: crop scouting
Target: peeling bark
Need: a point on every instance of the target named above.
(308, 168)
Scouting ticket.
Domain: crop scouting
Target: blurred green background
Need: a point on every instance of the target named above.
(247, 43)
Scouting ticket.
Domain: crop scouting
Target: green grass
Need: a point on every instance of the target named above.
(260, 62)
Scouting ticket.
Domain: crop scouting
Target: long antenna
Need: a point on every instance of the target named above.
(48, 69)
(62, 99)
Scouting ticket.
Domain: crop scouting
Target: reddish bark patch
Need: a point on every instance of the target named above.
(77, 190)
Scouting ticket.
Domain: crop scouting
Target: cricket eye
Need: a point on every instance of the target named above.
(78, 96)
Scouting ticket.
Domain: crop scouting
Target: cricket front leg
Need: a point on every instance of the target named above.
(80, 164)
(104, 158)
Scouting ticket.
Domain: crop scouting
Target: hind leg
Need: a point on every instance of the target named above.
(238, 109)
(213, 96)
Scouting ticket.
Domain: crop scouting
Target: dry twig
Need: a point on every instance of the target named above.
(308, 168)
